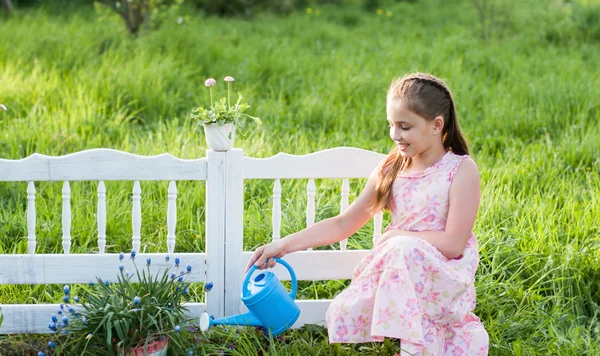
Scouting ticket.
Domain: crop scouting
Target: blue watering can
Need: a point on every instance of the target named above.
(269, 304)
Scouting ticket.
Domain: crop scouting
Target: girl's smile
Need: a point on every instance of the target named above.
(402, 146)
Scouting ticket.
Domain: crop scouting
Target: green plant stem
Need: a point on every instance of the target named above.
(228, 95)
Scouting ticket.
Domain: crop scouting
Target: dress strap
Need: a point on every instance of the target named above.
(455, 166)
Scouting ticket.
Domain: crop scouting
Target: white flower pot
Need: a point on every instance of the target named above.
(219, 138)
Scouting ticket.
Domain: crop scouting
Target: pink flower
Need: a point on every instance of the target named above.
(384, 316)
(229, 79)
(419, 287)
(3, 107)
(432, 297)
(342, 332)
(210, 82)
(359, 324)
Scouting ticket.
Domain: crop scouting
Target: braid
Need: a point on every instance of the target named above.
(431, 80)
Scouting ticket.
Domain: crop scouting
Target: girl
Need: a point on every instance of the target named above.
(417, 283)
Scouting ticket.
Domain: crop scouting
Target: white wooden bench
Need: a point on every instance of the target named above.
(224, 260)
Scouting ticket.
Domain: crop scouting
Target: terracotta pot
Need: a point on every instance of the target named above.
(219, 138)
(155, 348)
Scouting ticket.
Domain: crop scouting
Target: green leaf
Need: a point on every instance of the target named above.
(119, 329)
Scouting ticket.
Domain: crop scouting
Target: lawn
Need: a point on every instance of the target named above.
(526, 83)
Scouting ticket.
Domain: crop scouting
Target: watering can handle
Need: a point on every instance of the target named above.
(286, 265)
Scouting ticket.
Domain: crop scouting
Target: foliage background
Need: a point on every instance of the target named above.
(524, 75)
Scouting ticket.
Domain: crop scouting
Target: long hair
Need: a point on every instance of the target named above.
(428, 97)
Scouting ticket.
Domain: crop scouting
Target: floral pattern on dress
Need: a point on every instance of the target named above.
(405, 288)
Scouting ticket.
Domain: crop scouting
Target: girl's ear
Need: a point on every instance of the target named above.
(438, 125)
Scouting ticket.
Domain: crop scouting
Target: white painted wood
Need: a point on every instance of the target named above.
(171, 215)
(343, 206)
(340, 162)
(101, 217)
(377, 225)
(102, 164)
(34, 318)
(276, 212)
(136, 216)
(317, 265)
(31, 217)
(83, 268)
(311, 311)
(310, 204)
(234, 229)
(66, 217)
(215, 232)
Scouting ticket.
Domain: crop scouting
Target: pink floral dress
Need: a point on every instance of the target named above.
(405, 288)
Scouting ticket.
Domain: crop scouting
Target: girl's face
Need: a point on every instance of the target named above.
(412, 134)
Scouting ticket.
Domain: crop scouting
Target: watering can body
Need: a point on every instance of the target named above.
(270, 305)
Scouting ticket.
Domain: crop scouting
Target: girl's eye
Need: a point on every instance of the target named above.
(405, 128)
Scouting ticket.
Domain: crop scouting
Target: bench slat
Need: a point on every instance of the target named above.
(101, 164)
(311, 311)
(34, 318)
(84, 268)
(317, 265)
(340, 162)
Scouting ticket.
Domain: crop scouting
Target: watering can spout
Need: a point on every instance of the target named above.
(247, 319)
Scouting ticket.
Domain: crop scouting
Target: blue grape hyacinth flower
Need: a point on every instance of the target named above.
(208, 286)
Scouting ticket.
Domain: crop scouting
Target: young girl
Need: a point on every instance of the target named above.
(417, 283)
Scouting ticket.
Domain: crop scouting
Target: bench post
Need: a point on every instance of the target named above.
(215, 232)
(234, 230)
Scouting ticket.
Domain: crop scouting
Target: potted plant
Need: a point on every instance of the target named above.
(222, 119)
(130, 317)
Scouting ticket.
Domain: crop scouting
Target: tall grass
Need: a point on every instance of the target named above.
(527, 98)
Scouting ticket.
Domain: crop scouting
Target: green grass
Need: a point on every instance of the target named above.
(527, 95)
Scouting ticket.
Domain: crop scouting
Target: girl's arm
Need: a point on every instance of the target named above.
(464, 202)
(324, 232)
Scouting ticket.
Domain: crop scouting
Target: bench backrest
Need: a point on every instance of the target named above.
(224, 174)
(342, 163)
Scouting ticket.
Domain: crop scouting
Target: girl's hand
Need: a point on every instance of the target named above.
(268, 251)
